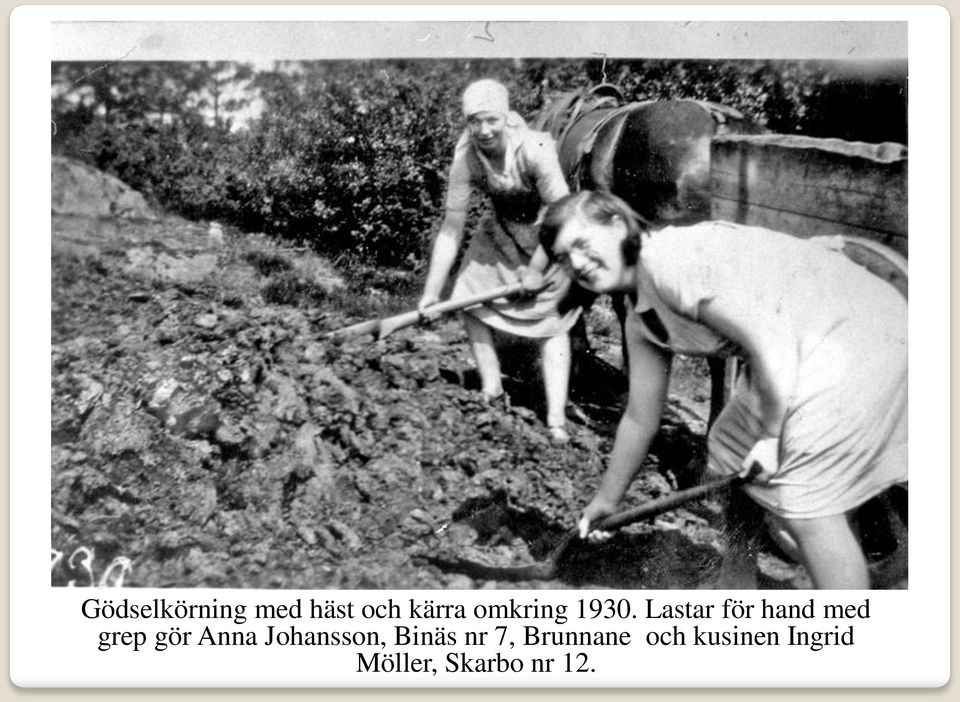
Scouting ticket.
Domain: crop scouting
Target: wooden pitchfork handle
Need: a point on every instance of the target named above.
(649, 509)
(664, 504)
(388, 325)
(547, 570)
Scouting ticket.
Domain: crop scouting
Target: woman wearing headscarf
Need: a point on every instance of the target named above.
(819, 415)
(517, 168)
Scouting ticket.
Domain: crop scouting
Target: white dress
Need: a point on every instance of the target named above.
(844, 437)
(506, 239)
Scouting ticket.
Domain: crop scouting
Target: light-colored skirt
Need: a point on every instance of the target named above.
(493, 260)
(844, 438)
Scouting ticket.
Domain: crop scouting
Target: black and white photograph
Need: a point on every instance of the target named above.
(498, 306)
(250, 388)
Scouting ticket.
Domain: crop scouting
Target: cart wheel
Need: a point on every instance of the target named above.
(880, 260)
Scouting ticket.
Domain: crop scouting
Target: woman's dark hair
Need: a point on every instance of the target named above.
(599, 207)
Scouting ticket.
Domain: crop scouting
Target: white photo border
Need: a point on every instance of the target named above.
(919, 616)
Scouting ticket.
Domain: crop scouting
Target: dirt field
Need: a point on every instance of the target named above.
(206, 433)
(204, 429)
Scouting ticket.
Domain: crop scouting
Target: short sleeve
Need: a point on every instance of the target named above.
(459, 182)
(541, 152)
(680, 270)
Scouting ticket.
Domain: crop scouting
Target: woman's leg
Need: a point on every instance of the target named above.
(784, 539)
(831, 552)
(555, 358)
(485, 355)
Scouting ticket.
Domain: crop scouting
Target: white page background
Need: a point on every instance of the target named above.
(905, 642)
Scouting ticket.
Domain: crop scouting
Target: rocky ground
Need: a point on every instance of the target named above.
(207, 433)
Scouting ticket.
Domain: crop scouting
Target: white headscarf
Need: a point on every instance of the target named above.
(485, 96)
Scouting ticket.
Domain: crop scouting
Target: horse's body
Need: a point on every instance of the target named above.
(653, 154)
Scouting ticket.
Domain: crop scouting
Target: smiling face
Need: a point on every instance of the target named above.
(592, 252)
(487, 131)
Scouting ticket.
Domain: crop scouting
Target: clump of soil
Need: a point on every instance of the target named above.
(206, 432)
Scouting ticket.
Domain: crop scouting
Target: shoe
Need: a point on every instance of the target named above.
(576, 414)
(558, 434)
(500, 402)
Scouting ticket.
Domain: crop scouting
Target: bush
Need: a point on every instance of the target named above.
(351, 157)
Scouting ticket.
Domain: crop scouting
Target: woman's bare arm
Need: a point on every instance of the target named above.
(649, 378)
(442, 255)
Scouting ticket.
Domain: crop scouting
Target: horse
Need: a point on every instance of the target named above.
(654, 154)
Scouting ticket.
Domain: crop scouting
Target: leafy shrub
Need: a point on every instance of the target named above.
(351, 157)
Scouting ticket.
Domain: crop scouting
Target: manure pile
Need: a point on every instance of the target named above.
(207, 434)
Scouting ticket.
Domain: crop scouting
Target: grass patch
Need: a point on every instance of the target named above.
(298, 277)
(367, 292)
(290, 289)
(267, 262)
